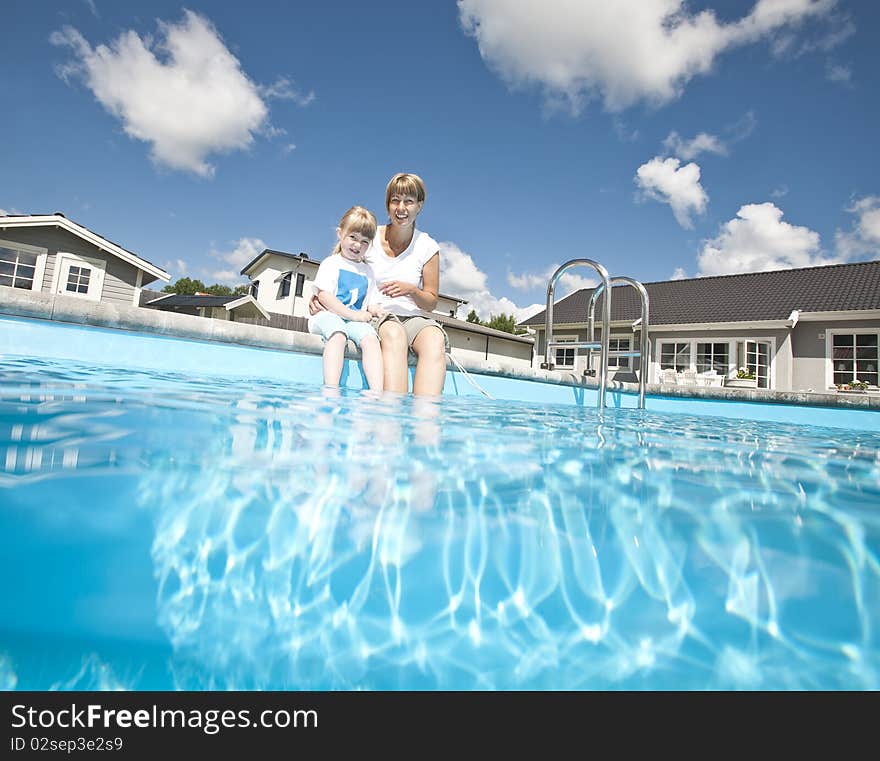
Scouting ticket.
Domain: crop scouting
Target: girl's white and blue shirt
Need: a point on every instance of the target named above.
(351, 282)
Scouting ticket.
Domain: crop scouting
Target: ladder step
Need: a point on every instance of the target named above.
(574, 345)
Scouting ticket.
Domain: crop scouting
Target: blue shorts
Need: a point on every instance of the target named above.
(326, 324)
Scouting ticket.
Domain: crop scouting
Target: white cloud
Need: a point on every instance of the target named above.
(623, 51)
(838, 73)
(679, 274)
(864, 238)
(284, 89)
(184, 94)
(460, 276)
(708, 143)
(92, 8)
(245, 249)
(665, 180)
(779, 192)
(758, 240)
(567, 284)
(690, 149)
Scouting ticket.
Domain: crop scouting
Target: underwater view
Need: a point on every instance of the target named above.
(169, 531)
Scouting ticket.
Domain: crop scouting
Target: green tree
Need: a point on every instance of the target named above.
(218, 290)
(472, 317)
(184, 285)
(504, 322)
(189, 286)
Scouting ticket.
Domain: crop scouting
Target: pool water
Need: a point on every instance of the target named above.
(162, 531)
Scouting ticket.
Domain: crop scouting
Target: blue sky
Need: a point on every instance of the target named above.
(661, 138)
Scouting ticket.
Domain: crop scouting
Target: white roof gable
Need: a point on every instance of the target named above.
(58, 220)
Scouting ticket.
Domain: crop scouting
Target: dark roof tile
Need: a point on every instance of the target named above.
(736, 298)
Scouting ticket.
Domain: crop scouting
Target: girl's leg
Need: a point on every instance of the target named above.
(430, 347)
(372, 362)
(334, 353)
(394, 349)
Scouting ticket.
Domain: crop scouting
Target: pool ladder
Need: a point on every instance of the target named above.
(602, 344)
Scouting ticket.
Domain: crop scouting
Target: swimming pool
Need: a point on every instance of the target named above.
(171, 529)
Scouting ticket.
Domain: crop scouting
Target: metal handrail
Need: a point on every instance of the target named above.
(642, 353)
(606, 324)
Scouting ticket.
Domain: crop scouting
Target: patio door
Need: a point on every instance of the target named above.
(758, 361)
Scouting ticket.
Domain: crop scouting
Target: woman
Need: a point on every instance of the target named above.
(406, 266)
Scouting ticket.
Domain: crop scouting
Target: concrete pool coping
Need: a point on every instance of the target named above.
(15, 302)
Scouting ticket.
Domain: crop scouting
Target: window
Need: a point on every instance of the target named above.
(618, 344)
(300, 281)
(713, 356)
(675, 356)
(285, 286)
(564, 356)
(854, 357)
(17, 268)
(255, 287)
(77, 280)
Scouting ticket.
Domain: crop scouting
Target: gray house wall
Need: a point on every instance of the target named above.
(477, 347)
(580, 362)
(782, 365)
(781, 359)
(120, 277)
(809, 346)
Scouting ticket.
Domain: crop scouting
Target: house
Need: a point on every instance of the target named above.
(207, 305)
(49, 253)
(797, 330)
(281, 282)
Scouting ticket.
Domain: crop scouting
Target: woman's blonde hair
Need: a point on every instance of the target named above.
(356, 220)
(405, 184)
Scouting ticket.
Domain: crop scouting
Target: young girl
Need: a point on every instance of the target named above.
(346, 289)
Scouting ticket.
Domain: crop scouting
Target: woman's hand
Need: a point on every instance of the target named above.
(376, 310)
(395, 288)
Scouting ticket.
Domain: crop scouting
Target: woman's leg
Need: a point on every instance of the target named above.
(372, 362)
(394, 349)
(430, 347)
(334, 353)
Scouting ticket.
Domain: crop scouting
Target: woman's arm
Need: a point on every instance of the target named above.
(330, 302)
(426, 296)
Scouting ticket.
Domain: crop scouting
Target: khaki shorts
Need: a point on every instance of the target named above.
(412, 324)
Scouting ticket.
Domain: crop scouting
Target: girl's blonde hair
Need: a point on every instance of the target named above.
(405, 184)
(356, 220)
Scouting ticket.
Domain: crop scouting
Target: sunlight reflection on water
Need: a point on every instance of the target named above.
(300, 538)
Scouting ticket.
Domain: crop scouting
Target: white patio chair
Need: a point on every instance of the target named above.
(668, 377)
(687, 378)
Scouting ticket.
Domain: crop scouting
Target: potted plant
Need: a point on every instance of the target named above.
(853, 387)
(745, 378)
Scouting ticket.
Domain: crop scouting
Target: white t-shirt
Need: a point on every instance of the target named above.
(407, 267)
(351, 282)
